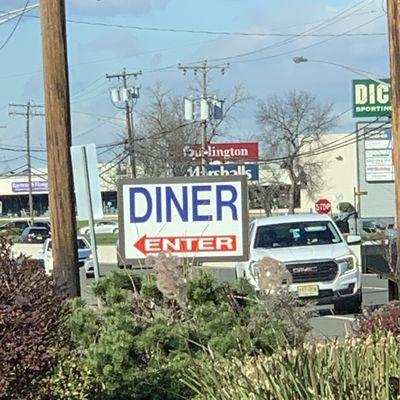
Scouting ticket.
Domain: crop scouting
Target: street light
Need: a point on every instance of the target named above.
(367, 74)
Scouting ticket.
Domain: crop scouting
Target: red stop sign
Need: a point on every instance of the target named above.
(323, 206)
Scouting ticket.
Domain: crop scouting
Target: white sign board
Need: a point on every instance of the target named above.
(82, 156)
(378, 156)
(196, 217)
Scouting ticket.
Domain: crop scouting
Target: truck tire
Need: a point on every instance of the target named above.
(349, 306)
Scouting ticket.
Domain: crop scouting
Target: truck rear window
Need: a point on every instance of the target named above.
(296, 234)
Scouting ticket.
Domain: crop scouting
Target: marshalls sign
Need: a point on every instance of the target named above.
(203, 217)
(371, 98)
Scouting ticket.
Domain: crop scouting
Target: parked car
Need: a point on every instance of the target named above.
(322, 265)
(88, 266)
(34, 234)
(84, 253)
(101, 227)
(18, 226)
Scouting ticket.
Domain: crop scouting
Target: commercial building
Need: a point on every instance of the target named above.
(14, 192)
(353, 169)
(336, 176)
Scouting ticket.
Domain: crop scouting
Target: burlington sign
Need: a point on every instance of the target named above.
(223, 152)
(199, 217)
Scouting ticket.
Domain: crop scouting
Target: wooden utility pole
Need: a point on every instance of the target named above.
(128, 97)
(204, 69)
(58, 134)
(393, 11)
(28, 112)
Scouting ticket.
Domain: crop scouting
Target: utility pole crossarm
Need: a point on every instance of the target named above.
(124, 74)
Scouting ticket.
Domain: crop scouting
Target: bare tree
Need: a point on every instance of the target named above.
(234, 102)
(292, 126)
(267, 196)
(162, 133)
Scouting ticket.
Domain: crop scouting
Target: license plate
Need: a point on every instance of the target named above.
(307, 291)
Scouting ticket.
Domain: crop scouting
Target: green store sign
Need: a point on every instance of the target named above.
(371, 98)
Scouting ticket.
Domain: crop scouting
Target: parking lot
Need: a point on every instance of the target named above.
(326, 324)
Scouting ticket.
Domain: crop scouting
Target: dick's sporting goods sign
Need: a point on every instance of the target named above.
(196, 217)
(371, 98)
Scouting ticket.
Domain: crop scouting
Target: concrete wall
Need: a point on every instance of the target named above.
(339, 174)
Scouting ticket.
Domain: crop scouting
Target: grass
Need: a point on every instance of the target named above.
(104, 239)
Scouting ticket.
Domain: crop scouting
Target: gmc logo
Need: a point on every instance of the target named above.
(306, 270)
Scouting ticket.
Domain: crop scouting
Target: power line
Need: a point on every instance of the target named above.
(81, 134)
(15, 27)
(219, 33)
(210, 32)
(98, 115)
(314, 29)
(332, 146)
(125, 155)
(297, 49)
(12, 159)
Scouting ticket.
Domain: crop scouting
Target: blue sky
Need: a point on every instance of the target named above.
(97, 50)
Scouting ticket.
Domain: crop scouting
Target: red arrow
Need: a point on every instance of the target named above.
(186, 244)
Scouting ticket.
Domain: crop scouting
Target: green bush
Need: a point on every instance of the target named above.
(353, 369)
(141, 342)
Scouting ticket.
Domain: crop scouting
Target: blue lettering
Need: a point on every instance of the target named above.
(226, 203)
(132, 193)
(200, 202)
(182, 208)
(158, 204)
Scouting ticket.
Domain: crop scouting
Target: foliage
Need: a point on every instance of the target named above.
(30, 314)
(163, 132)
(385, 318)
(294, 124)
(354, 370)
(143, 340)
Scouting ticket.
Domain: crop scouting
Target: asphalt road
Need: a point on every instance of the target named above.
(326, 324)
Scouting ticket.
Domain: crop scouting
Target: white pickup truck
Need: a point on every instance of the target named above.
(322, 265)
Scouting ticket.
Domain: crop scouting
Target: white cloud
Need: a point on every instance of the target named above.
(119, 43)
(115, 7)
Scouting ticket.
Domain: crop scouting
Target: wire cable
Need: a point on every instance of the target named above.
(299, 48)
(15, 26)
(314, 29)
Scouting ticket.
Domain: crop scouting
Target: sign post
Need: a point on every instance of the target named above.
(202, 218)
(323, 206)
(87, 192)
